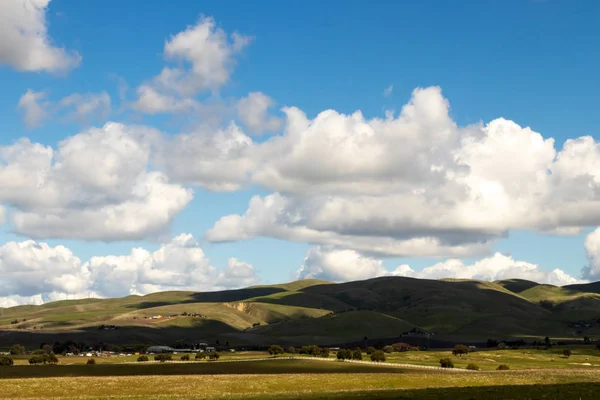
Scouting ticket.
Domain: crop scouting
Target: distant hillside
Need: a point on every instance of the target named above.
(311, 311)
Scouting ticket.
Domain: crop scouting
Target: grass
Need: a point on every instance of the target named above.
(296, 313)
(291, 384)
(516, 359)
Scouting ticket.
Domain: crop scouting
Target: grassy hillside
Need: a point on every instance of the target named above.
(317, 311)
(516, 285)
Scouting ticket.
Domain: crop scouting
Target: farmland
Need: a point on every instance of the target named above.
(290, 379)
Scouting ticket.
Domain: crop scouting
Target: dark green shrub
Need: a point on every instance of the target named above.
(36, 359)
(567, 353)
(276, 350)
(503, 367)
(163, 357)
(142, 358)
(17, 350)
(214, 356)
(378, 356)
(388, 349)
(6, 361)
(291, 350)
(185, 357)
(446, 363)
(51, 358)
(91, 361)
(473, 367)
(200, 355)
(370, 350)
(357, 354)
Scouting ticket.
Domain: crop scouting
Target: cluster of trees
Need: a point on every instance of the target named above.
(347, 354)
(314, 350)
(6, 361)
(46, 358)
(163, 357)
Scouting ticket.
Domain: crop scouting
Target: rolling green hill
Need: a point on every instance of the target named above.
(312, 311)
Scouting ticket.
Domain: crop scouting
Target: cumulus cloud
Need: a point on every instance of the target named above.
(29, 269)
(592, 249)
(34, 108)
(219, 161)
(207, 58)
(347, 265)
(34, 273)
(339, 265)
(24, 41)
(96, 185)
(253, 112)
(415, 184)
(150, 101)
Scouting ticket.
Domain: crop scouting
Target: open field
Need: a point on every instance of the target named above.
(288, 383)
(581, 357)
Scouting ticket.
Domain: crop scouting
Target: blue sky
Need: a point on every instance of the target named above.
(531, 62)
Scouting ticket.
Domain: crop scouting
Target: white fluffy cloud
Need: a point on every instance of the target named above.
(24, 41)
(207, 57)
(592, 249)
(29, 269)
(34, 107)
(416, 184)
(95, 185)
(219, 161)
(347, 265)
(34, 273)
(253, 112)
(339, 265)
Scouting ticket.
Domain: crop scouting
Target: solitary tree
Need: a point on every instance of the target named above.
(378, 356)
(291, 350)
(370, 350)
(357, 354)
(567, 353)
(276, 350)
(460, 349)
(17, 350)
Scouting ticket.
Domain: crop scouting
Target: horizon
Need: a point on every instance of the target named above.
(319, 282)
(211, 147)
